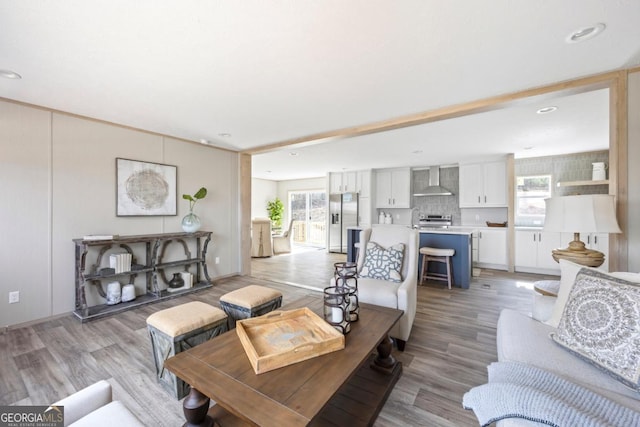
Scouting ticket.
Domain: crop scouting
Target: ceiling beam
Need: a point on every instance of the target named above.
(570, 87)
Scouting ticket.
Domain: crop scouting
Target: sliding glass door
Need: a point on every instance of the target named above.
(309, 213)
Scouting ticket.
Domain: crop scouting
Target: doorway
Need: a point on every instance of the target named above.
(309, 214)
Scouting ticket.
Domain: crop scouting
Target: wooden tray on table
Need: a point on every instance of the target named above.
(281, 338)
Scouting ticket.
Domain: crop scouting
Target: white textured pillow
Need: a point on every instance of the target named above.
(568, 272)
(383, 264)
(601, 324)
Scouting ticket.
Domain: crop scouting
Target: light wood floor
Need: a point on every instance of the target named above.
(452, 342)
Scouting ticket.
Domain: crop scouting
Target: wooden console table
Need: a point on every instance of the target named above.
(154, 247)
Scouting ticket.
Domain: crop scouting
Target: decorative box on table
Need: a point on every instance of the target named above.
(282, 338)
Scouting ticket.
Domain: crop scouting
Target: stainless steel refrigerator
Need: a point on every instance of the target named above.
(343, 213)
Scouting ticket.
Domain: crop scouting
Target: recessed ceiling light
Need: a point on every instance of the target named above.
(8, 74)
(268, 171)
(293, 153)
(417, 152)
(546, 110)
(527, 148)
(224, 135)
(585, 33)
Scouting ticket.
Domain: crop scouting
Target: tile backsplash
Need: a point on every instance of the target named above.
(432, 205)
(569, 167)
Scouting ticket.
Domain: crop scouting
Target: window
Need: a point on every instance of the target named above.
(530, 194)
(309, 214)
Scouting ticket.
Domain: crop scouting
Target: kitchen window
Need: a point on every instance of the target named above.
(530, 194)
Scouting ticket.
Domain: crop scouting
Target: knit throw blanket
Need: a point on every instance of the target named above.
(518, 390)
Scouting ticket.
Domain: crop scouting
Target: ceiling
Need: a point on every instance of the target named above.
(250, 73)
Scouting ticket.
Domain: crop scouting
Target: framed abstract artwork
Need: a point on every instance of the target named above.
(145, 188)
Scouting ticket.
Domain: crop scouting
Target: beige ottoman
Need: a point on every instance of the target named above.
(180, 328)
(250, 301)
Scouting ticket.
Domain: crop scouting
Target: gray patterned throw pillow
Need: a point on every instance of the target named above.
(601, 324)
(383, 264)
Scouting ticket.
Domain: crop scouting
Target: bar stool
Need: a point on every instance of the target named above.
(436, 255)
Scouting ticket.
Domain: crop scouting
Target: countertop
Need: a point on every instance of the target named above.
(454, 229)
(450, 230)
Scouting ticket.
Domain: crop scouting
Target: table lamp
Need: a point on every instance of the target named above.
(590, 213)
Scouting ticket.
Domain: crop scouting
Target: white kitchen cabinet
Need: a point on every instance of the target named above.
(594, 241)
(335, 182)
(342, 182)
(492, 248)
(393, 188)
(363, 183)
(533, 251)
(483, 185)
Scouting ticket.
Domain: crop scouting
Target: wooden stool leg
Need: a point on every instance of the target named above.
(424, 267)
(449, 272)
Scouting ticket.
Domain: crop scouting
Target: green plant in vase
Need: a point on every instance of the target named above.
(191, 221)
(275, 209)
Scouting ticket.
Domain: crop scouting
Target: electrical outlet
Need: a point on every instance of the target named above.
(217, 260)
(477, 218)
(14, 297)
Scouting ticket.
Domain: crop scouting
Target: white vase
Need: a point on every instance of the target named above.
(191, 222)
(114, 295)
(128, 293)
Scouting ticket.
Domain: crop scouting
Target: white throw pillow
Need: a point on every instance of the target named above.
(601, 324)
(568, 272)
(383, 264)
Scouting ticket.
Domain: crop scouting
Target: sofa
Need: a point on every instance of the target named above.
(94, 406)
(529, 340)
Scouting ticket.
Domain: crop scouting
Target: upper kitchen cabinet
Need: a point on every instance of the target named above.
(363, 183)
(483, 185)
(342, 182)
(351, 182)
(393, 188)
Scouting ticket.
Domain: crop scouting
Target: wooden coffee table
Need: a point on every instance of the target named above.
(346, 387)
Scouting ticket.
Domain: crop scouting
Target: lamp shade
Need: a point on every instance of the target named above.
(590, 213)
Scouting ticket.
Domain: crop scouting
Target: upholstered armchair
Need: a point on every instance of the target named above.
(93, 407)
(401, 295)
(282, 243)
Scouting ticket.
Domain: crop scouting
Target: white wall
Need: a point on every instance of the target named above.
(262, 192)
(57, 176)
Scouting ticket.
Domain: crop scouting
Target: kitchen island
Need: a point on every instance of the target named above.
(457, 238)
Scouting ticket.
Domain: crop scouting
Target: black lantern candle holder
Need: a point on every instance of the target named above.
(346, 276)
(336, 308)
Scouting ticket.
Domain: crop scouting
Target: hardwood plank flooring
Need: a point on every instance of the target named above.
(452, 341)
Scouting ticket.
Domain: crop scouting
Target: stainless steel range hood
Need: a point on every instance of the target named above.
(434, 188)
